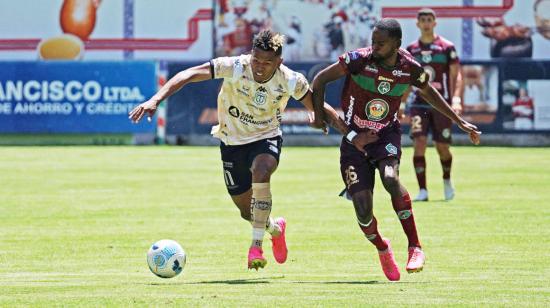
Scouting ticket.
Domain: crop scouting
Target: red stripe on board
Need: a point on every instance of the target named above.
(450, 11)
(127, 44)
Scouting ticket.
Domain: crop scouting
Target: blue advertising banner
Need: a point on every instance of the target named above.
(74, 97)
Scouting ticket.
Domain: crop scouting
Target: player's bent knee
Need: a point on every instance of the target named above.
(362, 202)
(391, 182)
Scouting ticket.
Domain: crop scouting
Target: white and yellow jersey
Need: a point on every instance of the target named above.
(247, 110)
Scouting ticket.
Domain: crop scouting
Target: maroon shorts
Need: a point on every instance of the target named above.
(429, 119)
(358, 170)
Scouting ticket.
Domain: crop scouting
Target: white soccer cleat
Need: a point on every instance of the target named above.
(449, 190)
(422, 195)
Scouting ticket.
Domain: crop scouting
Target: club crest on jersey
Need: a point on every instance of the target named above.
(260, 96)
(377, 109)
(384, 87)
(426, 56)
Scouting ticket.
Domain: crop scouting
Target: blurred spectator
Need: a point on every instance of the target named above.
(336, 37)
(292, 50)
(523, 110)
(238, 41)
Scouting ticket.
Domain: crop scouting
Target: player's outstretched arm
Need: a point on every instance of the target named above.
(430, 94)
(455, 75)
(192, 74)
(333, 72)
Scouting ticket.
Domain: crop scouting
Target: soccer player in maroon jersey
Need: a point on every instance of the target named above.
(376, 78)
(439, 59)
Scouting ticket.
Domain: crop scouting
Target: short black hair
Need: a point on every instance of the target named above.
(391, 25)
(268, 40)
(425, 12)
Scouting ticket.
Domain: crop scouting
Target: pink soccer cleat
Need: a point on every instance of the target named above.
(280, 251)
(416, 260)
(256, 258)
(389, 266)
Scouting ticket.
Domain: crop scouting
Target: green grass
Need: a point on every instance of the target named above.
(76, 222)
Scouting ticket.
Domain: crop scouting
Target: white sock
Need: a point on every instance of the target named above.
(257, 236)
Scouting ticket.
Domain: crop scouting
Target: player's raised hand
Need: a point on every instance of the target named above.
(149, 107)
(472, 130)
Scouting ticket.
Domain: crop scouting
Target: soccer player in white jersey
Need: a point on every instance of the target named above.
(254, 93)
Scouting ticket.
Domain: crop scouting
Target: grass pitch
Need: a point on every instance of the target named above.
(76, 223)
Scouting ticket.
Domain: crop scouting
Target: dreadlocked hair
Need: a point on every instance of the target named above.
(268, 40)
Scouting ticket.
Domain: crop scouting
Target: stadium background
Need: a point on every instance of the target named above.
(118, 52)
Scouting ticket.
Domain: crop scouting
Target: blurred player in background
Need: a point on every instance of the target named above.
(254, 93)
(376, 79)
(439, 59)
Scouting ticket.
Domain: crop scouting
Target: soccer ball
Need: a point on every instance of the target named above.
(166, 258)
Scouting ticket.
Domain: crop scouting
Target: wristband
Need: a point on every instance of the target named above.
(456, 100)
(351, 135)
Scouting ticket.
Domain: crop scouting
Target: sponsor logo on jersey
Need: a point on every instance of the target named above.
(277, 99)
(399, 73)
(234, 111)
(350, 110)
(377, 126)
(384, 87)
(377, 109)
(371, 69)
(280, 89)
(243, 92)
(385, 78)
(392, 149)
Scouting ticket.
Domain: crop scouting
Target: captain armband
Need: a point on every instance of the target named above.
(351, 135)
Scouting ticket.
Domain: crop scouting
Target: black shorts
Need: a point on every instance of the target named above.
(429, 119)
(237, 160)
(357, 170)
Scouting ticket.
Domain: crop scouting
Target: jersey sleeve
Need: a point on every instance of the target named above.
(419, 77)
(301, 87)
(352, 61)
(452, 55)
(224, 67)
